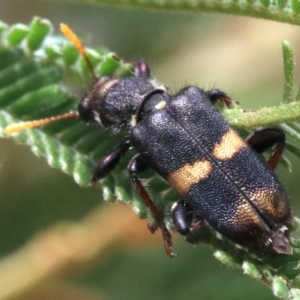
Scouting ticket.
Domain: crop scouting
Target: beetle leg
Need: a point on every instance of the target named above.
(217, 95)
(186, 221)
(135, 166)
(266, 138)
(184, 218)
(110, 161)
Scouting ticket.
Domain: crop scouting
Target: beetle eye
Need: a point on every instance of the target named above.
(85, 111)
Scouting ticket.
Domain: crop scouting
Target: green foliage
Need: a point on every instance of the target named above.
(36, 67)
(286, 11)
(288, 59)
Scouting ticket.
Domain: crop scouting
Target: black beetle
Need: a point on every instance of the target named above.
(223, 181)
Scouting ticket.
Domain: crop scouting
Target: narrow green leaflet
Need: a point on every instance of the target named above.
(286, 11)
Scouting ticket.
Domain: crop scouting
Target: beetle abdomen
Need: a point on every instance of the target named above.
(220, 177)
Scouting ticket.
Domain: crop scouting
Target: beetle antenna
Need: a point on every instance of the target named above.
(68, 33)
(36, 123)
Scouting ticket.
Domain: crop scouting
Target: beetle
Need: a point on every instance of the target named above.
(222, 179)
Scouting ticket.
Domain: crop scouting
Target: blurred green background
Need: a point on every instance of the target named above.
(241, 56)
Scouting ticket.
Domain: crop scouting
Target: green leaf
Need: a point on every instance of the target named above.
(280, 288)
(39, 29)
(288, 62)
(280, 10)
(16, 34)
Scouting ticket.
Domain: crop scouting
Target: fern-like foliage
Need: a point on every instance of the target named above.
(286, 11)
(35, 70)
